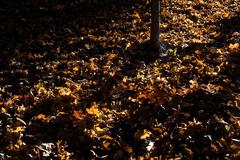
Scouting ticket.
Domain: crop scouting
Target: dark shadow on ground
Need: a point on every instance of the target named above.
(49, 31)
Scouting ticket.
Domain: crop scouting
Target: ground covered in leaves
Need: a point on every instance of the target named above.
(73, 86)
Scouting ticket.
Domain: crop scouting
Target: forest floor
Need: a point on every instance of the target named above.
(73, 86)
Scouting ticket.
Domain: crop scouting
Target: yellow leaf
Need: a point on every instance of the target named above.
(65, 91)
(3, 110)
(40, 88)
(75, 69)
(16, 130)
(136, 15)
(128, 45)
(145, 135)
(93, 110)
(219, 51)
(93, 66)
(234, 46)
(111, 56)
(139, 76)
(42, 91)
(141, 135)
(227, 127)
(107, 137)
(98, 130)
(226, 15)
(106, 144)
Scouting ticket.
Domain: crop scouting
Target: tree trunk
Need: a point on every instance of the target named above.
(155, 30)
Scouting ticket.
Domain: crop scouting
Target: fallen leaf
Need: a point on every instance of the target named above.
(106, 145)
(214, 148)
(64, 91)
(77, 115)
(43, 118)
(234, 46)
(142, 135)
(94, 110)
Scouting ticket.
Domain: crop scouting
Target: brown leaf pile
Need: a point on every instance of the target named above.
(73, 86)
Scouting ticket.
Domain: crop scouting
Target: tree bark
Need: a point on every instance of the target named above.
(155, 30)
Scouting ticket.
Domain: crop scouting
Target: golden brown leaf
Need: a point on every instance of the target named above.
(189, 152)
(98, 130)
(142, 96)
(128, 149)
(111, 56)
(65, 91)
(214, 148)
(227, 127)
(142, 135)
(198, 52)
(136, 15)
(107, 137)
(43, 118)
(77, 115)
(106, 145)
(234, 46)
(200, 63)
(93, 66)
(94, 110)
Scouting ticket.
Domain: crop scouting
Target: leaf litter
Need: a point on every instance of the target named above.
(72, 84)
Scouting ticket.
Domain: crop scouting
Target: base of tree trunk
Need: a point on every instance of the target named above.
(146, 52)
